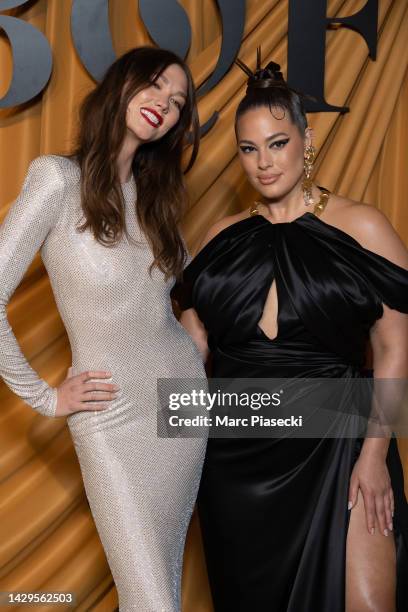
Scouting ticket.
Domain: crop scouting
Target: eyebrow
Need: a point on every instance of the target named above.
(266, 139)
(178, 93)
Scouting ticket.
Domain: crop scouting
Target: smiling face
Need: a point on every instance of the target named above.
(271, 151)
(153, 111)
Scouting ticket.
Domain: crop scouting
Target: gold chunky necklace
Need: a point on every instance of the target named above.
(318, 208)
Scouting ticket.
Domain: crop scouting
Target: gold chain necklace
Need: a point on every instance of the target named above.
(318, 208)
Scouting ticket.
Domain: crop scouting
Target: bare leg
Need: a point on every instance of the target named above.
(370, 566)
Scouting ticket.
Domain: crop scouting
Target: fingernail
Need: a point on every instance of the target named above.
(350, 505)
(385, 532)
(372, 530)
(390, 527)
(116, 387)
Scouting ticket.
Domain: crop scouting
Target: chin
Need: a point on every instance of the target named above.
(276, 191)
(270, 192)
(140, 136)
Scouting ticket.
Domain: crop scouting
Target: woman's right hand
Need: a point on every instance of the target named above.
(77, 393)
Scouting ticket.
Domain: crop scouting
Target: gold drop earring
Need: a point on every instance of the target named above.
(307, 184)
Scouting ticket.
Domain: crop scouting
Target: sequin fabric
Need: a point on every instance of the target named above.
(141, 488)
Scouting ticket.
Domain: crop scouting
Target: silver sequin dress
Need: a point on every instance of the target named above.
(141, 488)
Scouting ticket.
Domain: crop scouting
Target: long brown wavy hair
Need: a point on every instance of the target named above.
(156, 166)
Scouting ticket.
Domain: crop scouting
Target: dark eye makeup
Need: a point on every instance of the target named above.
(277, 144)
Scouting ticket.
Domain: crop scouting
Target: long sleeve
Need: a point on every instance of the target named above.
(27, 224)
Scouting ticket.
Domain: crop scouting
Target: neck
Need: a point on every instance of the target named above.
(290, 206)
(125, 158)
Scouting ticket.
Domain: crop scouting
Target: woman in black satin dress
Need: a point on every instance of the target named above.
(296, 286)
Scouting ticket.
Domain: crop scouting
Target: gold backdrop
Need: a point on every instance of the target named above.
(48, 540)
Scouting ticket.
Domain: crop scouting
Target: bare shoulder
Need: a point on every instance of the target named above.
(369, 226)
(222, 224)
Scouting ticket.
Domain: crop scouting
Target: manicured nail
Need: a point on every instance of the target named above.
(390, 526)
(350, 505)
(385, 532)
(372, 530)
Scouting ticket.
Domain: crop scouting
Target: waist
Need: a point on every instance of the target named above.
(262, 357)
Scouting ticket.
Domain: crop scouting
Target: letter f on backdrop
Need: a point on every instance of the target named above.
(307, 45)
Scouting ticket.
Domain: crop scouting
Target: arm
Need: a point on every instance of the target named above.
(191, 322)
(189, 318)
(389, 335)
(30, 218)
(389, 339)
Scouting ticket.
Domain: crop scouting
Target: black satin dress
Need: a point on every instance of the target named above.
(274, 512)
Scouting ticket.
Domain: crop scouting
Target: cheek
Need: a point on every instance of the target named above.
(140, 99)
(132, 111)
(174, 118)
(137, 100)
(292, 161)
(129, 117)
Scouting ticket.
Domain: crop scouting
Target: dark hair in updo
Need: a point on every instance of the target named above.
(267, 87)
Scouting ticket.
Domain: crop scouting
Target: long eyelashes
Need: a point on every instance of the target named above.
(247, 148)
(278, 144)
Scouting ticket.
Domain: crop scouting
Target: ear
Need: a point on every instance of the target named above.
(309, 136)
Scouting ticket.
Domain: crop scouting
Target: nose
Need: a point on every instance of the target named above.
(163, 103)
(264, 160)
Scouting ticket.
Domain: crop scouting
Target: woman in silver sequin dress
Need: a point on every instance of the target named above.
(98, 249)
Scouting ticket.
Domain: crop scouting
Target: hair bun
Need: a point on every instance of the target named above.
(270, 76)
